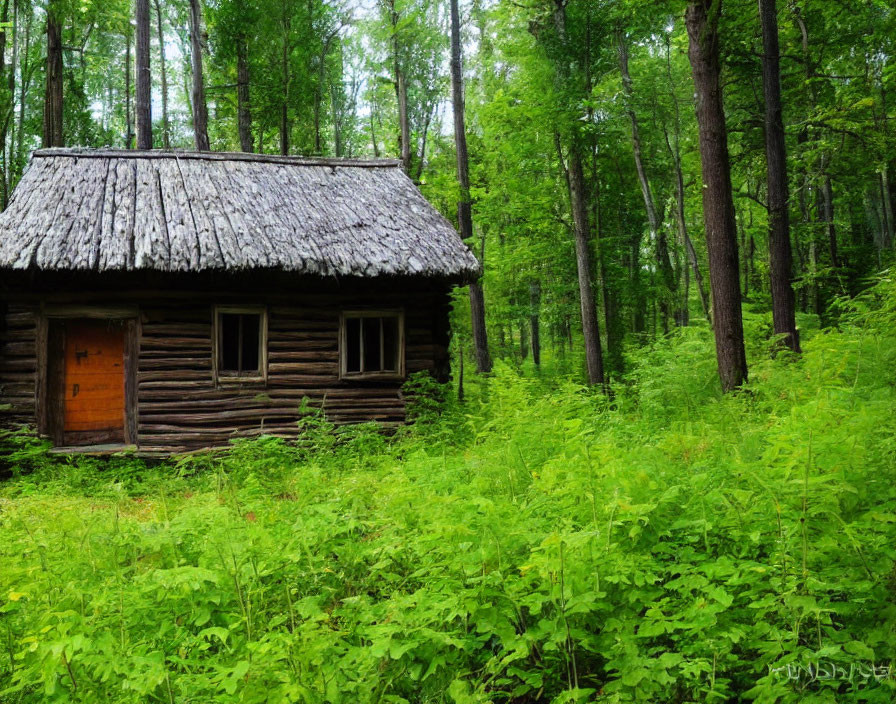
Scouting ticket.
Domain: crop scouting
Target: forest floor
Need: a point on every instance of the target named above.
(536, 543)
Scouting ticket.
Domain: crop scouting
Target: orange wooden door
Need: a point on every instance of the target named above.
(94, 381)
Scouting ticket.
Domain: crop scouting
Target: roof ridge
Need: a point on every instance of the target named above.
(87, 153)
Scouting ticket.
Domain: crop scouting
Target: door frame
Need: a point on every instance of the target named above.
(51, 365)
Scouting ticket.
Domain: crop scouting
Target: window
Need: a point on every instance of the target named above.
(240, 339)
(372, 344)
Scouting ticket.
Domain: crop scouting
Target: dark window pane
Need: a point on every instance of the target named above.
(251, 335)
(352, 344)
(390, 344)
(372, 361)
(228, 354)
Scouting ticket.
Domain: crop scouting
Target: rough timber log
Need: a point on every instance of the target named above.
(179, 404)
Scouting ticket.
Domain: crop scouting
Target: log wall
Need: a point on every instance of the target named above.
(180, 407)
(18, 363)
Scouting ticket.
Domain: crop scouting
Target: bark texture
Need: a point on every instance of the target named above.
(718, 205)
(590, 328)
(464, 206)
(143, 103)
(52, 132)
(200, 108)
(404, 125)
(780, 255)
(244, 114)
(128, 113)
(166, 128)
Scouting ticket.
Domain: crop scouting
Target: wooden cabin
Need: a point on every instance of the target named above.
(172, 301)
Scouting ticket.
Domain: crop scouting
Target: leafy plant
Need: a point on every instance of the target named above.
(669, 545)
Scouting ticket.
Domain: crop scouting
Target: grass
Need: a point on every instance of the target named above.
(537, 543)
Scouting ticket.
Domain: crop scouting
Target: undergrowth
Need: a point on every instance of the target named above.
(537, 543)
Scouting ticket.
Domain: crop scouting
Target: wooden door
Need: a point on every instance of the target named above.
(93, 392)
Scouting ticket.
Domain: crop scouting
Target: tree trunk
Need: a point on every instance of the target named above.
(129, 123)
(23, 88)
(166, 127)
(319, 92)
(318, 147)
(144, 77)
(638, 296)
(200, 108)
(287, 79)
(421, 155)
(827, 199)
(7, 145)
(404, 125)
(401, 94)
(657, 234)
(780, 255)
(744, 261)
(698, 275)
(337, 123)
(460, 373)
(612, 323)
(675, 151)
(52, 127)
(244, 114)
(887, 207)
(534, 325)
(590, 327)
(464, 206)
(814, 294)
(575, 181)
(373, 139)
(683, 234)
(718, 205)
(685, 308)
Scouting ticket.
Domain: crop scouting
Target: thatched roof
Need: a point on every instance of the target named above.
(113, 210)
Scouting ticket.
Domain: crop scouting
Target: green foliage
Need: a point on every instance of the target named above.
(669, 545)
(21, 451)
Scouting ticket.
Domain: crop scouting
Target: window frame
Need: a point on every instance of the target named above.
(344, 374)
(222, 376)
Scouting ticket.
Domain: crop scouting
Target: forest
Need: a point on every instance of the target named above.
(665, 467)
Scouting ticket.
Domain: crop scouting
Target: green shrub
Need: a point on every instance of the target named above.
(670, 545)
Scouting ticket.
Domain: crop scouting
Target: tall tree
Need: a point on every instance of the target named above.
(200, 108)
(286, 68)
(129, 124)
(534, 325)
(166, 126)
(52, 124)
(702, 20)
(780, 256)
(578, 199)
(657, 233)
(244, 113)
(674, 147)
(144, 77)
(464, 205)
(9, 31)
(575, 178)
(399, 79)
